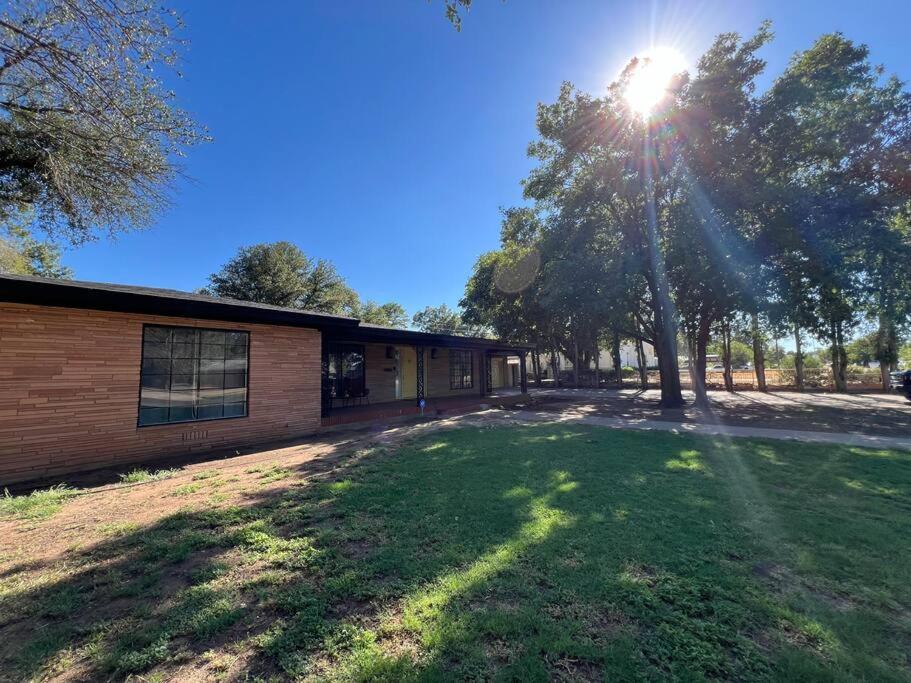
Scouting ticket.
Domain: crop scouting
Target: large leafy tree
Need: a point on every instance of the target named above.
(722, 212)
(279, 273)
(90, 136)
(388, 315)
(837, 141)
(441, 319)
(601, 173)
(22, 254)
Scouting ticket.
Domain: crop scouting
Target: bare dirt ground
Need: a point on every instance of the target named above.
(102, 506)
(873, 414)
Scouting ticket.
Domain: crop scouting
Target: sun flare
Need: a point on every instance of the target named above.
(649, 81)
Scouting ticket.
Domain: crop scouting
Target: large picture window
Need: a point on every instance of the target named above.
(190, 374)
(460, 369)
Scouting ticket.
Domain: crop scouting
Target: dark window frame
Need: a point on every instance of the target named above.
(197, 372)
(338, 349)
(458, 378)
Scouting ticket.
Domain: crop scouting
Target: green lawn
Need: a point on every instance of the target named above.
(530, 553)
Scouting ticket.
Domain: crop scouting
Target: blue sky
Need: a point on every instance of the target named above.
(374, 135)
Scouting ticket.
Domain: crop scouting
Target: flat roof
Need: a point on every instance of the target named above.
(104, 296)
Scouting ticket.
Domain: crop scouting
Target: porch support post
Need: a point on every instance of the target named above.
(488, 374)
(419, 352)
(523, 373)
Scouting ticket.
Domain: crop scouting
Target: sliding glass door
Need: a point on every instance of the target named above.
(343, 371)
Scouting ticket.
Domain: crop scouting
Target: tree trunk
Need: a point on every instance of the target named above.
(575, 362)
(839, 357)
(597, 357)
(554, 366)
(758, 354)
(726, 356)
(702, 349)
(886, 349)
(697, 373)
(618, 362)
(640, 361)
(665, 324)
(798, 360)
(665, 344)
(697, 388)
(698, 348)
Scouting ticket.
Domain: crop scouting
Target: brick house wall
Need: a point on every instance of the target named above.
(438, 375)
(69, 391)
(380, 374)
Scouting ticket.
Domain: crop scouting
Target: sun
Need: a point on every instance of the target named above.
(649, 81)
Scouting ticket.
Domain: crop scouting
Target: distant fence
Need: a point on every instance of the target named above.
(785, 378)
(863, 379)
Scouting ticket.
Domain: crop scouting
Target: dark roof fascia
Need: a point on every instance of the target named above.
(149, 301)
(56, 293)
(383, 335)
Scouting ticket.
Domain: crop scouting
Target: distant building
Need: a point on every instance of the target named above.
(628, 359)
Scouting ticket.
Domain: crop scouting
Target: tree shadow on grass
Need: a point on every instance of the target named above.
(527, 553)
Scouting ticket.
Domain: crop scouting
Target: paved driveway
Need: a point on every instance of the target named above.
(871, 414)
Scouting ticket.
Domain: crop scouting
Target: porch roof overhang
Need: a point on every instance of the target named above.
(375, 334)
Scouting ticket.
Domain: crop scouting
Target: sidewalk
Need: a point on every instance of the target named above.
(841, 438)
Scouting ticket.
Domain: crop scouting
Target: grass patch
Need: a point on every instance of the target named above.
(528, 553)
(186, 489)
(36, 505)
(140, 476)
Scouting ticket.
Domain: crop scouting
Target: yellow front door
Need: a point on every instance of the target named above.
(408, 371)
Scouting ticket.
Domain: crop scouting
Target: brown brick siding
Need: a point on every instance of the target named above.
(438, 375)
(380, 373)
(69, 391)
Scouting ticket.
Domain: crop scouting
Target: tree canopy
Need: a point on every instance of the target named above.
(723, 213)
(22, 254)
(90, 134)
(441, 319)
(279, 273)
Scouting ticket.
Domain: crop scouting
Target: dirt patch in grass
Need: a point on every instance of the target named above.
(84, 521)
(568, 668)
(786, 581)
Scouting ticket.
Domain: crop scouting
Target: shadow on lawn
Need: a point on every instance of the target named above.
(532, 553)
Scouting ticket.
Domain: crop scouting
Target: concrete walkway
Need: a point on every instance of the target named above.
(841, 438)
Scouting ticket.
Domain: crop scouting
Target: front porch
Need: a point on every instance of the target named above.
(379, 373)
(433, 407)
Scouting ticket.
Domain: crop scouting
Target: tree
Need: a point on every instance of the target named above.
(388, 315)
(89, 133)
(440, 319)
(862, 350)
(594, 185)
(21, 254)
(279, 273)
(504, 292)
(836, 138)
(741, 353)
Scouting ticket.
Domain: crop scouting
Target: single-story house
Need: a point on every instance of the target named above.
(98, 375)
